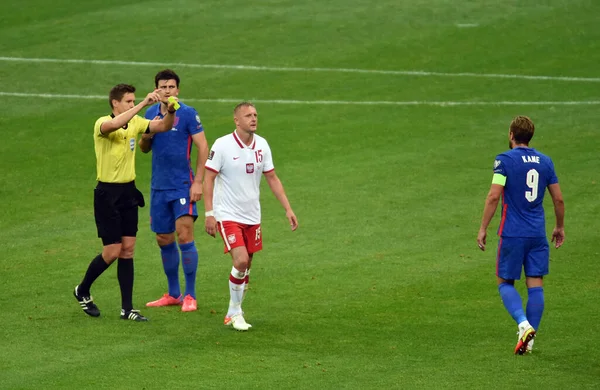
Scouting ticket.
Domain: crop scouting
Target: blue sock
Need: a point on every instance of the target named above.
(512, 302)
(189, 258)
(170, 259)
(535, 306)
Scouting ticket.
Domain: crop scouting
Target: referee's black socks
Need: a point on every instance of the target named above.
(95, 269)
(125, 276)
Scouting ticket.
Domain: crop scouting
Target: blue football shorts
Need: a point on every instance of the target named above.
(166, 206)
(531, 254)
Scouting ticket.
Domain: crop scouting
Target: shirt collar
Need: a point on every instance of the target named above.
(241, 144)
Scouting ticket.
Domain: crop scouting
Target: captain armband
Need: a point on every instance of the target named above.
(499, 179)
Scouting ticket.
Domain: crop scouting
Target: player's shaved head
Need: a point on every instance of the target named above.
(522, 129)
(239, 106)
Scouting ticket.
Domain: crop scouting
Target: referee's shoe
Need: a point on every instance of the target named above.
(86, 303)
(133, 315)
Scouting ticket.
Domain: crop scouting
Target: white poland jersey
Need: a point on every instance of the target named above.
(237, 186)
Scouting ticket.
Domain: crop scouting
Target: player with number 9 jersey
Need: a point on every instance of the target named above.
(521, 177)
(526, 173)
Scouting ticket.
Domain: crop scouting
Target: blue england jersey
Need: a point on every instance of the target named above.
(528, 173)
(171, 150)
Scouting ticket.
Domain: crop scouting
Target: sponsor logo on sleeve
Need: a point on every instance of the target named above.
(497, 163)
(211, 154)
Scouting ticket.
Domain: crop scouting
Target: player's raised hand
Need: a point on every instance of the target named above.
(558, 237)
(210, 225)
(481, 238)
(292, 219)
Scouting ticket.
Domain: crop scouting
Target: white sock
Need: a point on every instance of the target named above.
(524, 325)
(236, 291)
(246, 284)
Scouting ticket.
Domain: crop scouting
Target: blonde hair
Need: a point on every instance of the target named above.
(522, 129)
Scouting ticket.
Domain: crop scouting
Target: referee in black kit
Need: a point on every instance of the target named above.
(116, 199)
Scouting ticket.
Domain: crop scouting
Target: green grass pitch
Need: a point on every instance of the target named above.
(384, 119)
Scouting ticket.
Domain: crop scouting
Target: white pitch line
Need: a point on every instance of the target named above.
(299, 69)
(326, 102)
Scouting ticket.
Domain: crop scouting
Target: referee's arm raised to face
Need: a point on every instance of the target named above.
(155, 126)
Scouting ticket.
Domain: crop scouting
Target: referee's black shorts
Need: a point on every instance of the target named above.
(116, 210)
